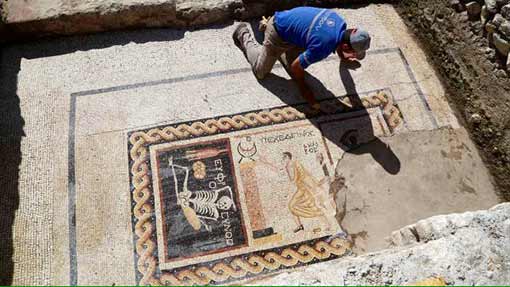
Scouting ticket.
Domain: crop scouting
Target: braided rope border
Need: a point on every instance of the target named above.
(239, 267)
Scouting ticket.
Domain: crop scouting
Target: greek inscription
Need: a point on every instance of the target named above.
(287, 136)
(227, 228)
(311, 148)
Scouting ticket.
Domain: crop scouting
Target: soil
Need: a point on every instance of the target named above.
(457, 48)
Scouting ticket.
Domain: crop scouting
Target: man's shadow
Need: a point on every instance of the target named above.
(352, 140)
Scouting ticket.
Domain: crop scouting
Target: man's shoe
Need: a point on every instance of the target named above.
(238, 35)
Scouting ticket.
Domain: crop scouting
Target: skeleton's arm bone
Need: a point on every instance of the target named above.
(185, 185)
(207, 227)
(171, 163)
(207, 217)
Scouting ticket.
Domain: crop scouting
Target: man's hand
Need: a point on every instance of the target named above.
(310, 98)
(298, 74)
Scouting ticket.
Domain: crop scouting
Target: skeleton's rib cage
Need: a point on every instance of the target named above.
(204, 203)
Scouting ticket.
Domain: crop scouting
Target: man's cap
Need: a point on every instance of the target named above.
(360, 42)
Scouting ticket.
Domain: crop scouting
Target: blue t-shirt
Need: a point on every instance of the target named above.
(318, 31)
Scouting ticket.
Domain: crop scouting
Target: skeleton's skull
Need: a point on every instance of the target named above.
(225, 203)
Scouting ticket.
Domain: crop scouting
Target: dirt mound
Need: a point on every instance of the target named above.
(482, 99)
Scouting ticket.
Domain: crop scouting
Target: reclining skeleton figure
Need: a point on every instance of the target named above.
(200, 206)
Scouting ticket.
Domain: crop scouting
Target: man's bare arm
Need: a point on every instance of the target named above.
(290, 172)
(298, 74)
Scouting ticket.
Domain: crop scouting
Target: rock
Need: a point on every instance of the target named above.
(501, 3)
(505, 11)
(508, 64)
(490, 28)
(504, 28)
(475, 119)
(501, 73)
(492, 6)
(463, 16)
(455, 4)
(490, 39)
(492, 55)
(477, 27)
(474, 9)
(498, 20)
(501, 44)
(484, 15)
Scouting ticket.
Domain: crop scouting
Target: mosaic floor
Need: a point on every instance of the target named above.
(216, 193)
(206, 209)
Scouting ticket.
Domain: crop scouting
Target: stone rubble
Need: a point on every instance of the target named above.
(494, 15)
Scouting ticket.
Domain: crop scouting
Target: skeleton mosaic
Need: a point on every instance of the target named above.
(200, 205)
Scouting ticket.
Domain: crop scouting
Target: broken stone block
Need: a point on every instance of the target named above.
(501, 44)
(474, 9)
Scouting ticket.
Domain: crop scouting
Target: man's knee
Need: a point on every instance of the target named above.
(260, 74)
(264, 65)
